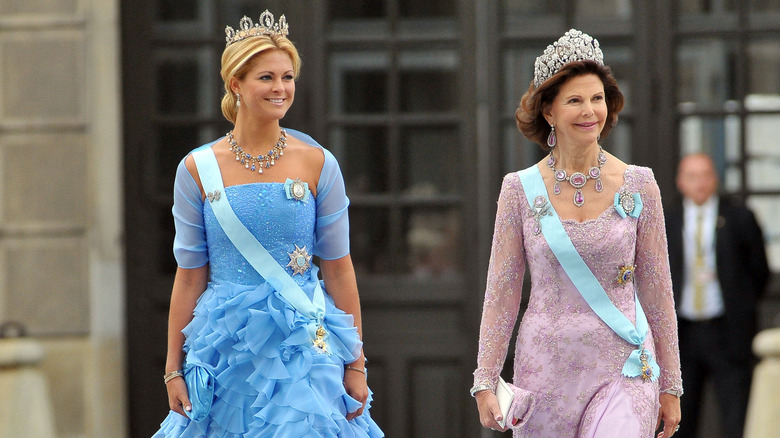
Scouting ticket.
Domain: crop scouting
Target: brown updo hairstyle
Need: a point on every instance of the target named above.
(530, 113)
(237, 60)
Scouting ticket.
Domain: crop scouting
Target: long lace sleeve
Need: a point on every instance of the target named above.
(654, 283)
(504, 286)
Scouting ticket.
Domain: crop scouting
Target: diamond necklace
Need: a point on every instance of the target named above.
(578, 179)
(261, 161)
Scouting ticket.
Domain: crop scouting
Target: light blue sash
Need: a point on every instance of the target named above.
(252, 250)
(588, 285)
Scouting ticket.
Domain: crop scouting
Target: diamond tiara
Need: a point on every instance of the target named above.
(572, 46)
(247, 29)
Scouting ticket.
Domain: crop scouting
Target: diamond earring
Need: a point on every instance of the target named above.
(551, 140)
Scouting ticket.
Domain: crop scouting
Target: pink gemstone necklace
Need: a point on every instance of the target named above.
(578, 179)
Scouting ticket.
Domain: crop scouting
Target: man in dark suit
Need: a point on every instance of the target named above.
(719, 271)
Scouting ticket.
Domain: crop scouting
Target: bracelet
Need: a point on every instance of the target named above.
(172, 375)
(676, 392)
(476, 388)
(356, 369)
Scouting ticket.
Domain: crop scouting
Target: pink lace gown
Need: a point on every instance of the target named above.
(565, 355)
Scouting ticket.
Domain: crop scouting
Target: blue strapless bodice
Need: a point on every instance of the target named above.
(277, 222)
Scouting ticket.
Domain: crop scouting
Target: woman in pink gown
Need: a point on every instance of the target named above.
(574, 375)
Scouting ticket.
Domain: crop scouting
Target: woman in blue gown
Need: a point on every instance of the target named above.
(276, 371)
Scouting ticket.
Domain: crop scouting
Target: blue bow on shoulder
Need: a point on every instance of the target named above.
(628, 204)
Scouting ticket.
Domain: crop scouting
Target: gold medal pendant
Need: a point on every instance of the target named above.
(647, 372)
(319, 342)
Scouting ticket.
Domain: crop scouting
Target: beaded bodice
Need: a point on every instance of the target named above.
(277, 222)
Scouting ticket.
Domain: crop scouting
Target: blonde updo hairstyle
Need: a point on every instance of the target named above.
(530, 114)
(237, 60)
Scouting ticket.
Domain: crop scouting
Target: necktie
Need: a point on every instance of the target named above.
(698, 281)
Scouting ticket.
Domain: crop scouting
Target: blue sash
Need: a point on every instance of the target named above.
(640, 361)
(252, 250)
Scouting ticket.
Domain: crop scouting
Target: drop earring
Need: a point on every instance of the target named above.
(238, 100)
(551, 140)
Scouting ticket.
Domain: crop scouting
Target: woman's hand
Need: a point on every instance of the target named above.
(357, 388)
(178, 399)
(489, 412)
(670, 414)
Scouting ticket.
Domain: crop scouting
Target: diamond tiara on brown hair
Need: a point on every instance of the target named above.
(247, 29)
(572, 46)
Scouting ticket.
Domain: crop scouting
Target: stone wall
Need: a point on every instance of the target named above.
(60, 202)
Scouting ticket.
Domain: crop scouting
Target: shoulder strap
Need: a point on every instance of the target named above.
(246, 243)
(582, 277)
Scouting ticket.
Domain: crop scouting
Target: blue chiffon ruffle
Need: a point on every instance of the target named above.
(270, 382)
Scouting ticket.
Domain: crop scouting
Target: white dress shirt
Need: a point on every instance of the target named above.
(713, 299)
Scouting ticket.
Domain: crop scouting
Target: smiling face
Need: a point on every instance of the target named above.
(268, 88)
(579, 111)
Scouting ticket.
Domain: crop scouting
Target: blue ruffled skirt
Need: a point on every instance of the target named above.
(270, 382)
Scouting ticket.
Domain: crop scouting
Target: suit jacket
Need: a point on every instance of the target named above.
(741, 266)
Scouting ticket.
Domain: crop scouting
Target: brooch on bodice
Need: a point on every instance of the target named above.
(296, 189)
(540, 208)
(299, 260)
(625, 274)
(213, 196)
(628, 204)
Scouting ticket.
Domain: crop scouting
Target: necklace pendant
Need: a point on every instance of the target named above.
(557, 188)
(599, 185)
(579, 199)
(578, 180)
(250, 162)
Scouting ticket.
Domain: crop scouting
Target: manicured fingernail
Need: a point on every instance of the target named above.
(188, 408)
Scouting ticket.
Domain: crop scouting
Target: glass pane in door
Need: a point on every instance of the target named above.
(705, 74)
(430, 161)
(763, 153)
(764, 66)
(767, 210)
(428, 80)
(362, 152)
(369, 231)
(604, 9)
(359, 82)
(433, 242)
